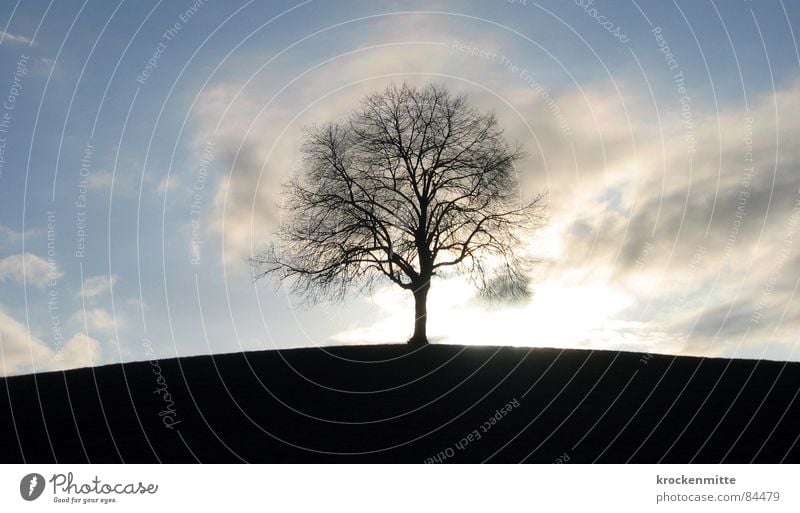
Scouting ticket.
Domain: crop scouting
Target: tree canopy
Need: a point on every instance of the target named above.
(414, 183)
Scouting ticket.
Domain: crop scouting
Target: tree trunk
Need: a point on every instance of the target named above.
(420, 336)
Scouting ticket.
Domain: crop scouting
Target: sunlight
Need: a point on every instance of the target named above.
(561, 314)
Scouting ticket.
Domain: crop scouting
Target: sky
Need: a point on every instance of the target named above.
(143, 145)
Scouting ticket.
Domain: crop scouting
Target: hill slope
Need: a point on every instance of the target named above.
(391, 403)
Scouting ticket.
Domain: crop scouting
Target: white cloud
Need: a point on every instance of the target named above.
(255, 151)
(21, 352)
(79, 351)
(138, 303)
(101, 180)
(27, 267)
(165, 183)
(13, 38)
(95, 285)
(96, 319)
(628, 213)
(656, 271)
(123, 182)
(10, 238)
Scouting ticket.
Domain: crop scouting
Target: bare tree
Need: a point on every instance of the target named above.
(415, 183)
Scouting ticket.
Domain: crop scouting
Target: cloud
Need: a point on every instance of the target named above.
(123, 182)
(96, 319)
(164, 184)
(27, 267)
(79, 351)
(21, 352)
(102, 180)
(12, 38)
(675, 227)
(675, 254)
(257, 145)
(9, 236)
(719, 232)
(95, 285)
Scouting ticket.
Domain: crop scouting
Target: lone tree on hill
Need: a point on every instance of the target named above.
(414, 183)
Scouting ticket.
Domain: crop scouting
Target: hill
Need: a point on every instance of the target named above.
(396, 404)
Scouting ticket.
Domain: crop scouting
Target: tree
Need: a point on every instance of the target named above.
(415, 183)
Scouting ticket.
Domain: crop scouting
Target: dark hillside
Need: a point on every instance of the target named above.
(395, 404)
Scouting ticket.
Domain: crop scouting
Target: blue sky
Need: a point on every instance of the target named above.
(153, 138)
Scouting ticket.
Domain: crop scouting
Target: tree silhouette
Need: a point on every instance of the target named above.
(414, 183)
